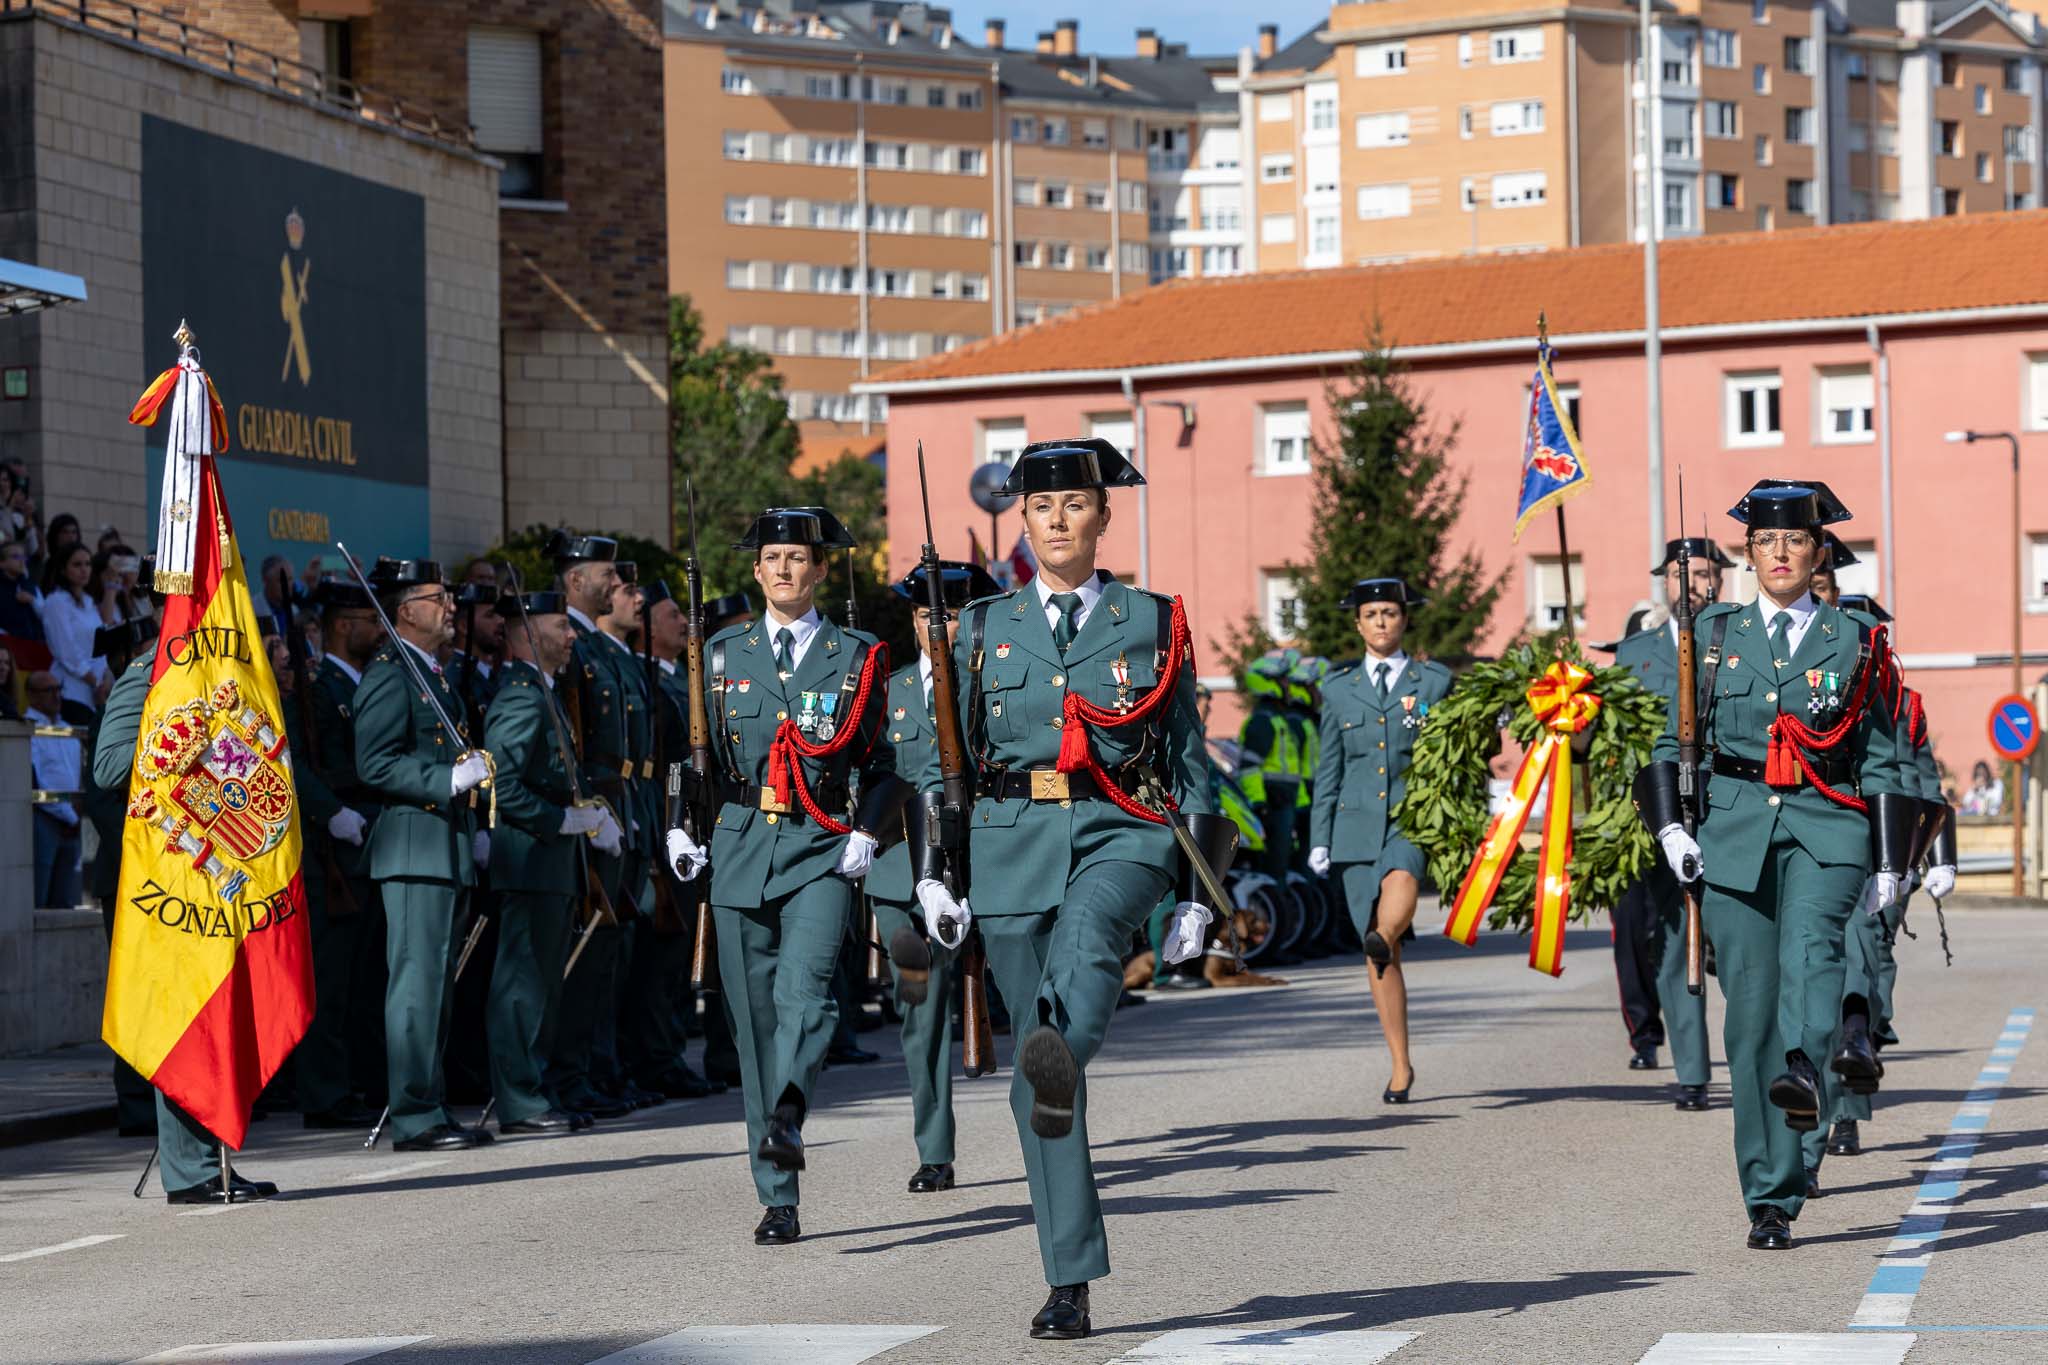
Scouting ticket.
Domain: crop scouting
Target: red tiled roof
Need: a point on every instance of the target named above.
(815, 452)
(1855, 270)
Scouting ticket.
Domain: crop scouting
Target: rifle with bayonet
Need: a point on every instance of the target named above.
(944, 824)
(1688, 751)
(693, 813)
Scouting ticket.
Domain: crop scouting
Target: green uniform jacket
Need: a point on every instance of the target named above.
(1652, 655)
(617, 729)
(1026, 852)
(909, 725)
(111, 762)
(757, 856)
(1743, 819)
(529, 852)
(404, 754)
(334, 757)
(1363, 749)
(317, 801)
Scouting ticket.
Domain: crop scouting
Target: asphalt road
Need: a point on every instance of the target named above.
(1537, 1202)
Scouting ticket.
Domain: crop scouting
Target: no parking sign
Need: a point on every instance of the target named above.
(2015, 729)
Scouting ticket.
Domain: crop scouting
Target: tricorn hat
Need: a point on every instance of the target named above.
(1696, 547)
(654, 592)
(730, 605)
(126, 638)
(812, 526)
(628, 571)
(1382, 590)
(476, 595)
(566, 548)
(392, 574)
(336, 594)
(1079, 462)
(960, 583)
(1865, 603)
(545, 603)
(1840, 556)
(1789, 505)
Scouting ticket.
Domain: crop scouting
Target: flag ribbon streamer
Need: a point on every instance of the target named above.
(1561, 702)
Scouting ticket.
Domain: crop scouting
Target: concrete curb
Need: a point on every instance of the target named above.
(44, 1124)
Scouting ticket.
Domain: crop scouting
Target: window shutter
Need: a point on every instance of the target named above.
(504, 89)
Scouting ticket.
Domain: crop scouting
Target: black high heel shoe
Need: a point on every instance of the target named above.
(1393, 1096)
(1377, 953)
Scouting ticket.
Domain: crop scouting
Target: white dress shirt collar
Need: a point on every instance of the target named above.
(576, 615)
(802, 631)
(1396, 664)
(348, 670)
(1089, 592)
(433, 664)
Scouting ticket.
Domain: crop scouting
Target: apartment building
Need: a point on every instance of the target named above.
(1427, 127)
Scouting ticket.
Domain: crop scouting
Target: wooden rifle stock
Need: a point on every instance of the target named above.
(1689, 766)
(977, 1037)
(703, 950)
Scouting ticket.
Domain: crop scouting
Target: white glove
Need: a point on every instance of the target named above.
(1319, 861)
(1190, 927)
(480, 848)
(938, 905)
(348, 827)
(858, 854)
(470, 771)
(1940, 882)
(607, 838)
(1889, 884)
(684, 855)
(1681, 852)
(581, 819)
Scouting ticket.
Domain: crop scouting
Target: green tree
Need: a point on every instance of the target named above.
(1385, 504)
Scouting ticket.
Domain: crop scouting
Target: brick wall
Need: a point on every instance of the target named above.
(92, 359)
(582, 415)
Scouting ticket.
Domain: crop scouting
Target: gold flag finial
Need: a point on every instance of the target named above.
(1542, 328)
(183, 336)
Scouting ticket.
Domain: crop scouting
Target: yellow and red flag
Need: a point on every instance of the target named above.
(210, 985)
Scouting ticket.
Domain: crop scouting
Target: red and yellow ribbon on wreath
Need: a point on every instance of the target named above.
(1560, 701)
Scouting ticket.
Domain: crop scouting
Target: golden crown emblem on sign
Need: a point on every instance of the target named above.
(294, 228)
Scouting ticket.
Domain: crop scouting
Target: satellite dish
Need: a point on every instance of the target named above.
(986, 487)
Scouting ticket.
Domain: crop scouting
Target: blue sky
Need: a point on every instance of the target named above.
(1107, 26)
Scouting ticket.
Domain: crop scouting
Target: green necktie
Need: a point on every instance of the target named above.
(785, 651)
(1781, 634)
(1379, 678)
(1063, 633)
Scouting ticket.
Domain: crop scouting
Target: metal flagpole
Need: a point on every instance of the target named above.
(227, 1175)
(1653, 340)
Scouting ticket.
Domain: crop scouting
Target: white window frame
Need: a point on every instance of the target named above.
(1720, 48)
(1390, 199)
(1388, 128)
(1735, 385)
(2034, 390)
(1714, 122)
(1322, 111)
(1276, 229)
(1276, 168)
(1381, 59)
(1546, 593)
(1280, 604)
(1510, 45)
(1000, 438)
(1516, 118)
(1284, 439)
(1518, 185)
(1799, 196)
(1276, 108)
(1844, 391)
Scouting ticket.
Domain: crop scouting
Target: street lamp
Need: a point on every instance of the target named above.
(2019, 607)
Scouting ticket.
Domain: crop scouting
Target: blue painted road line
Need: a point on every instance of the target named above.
(1888, 1301)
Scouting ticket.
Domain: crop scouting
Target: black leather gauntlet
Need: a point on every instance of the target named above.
(1216, 836)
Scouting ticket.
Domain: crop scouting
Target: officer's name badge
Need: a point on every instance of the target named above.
(1003, 651)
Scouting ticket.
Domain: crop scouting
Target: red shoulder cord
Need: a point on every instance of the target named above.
(786, 772)
(1792, 739)
(1075, 753)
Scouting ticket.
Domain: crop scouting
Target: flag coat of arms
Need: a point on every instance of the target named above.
(210, 982)
(1553, 465)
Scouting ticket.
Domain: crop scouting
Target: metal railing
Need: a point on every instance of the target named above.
(161, 32)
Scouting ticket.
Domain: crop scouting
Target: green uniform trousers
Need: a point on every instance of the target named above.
(526, 998)
(322, 1056)
(368, 983)
(186, 1154)
(1064, 967)
(927, 1035)
(1780, 964)
(421, 922)
(587, 993)
(776, 963)
(1869, 971)
(1662, 916)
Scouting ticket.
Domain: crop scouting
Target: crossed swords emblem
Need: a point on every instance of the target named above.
(291, 304)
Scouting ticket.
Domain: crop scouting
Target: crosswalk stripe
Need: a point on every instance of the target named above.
(74, 1244)
(333, 1351)
(1272, 1346)
(1780, 1348)
(814, 1344)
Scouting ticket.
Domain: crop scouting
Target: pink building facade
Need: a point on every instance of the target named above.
(1229, 496)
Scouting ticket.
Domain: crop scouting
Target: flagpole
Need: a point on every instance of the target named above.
(1564, 562)
(227, 1176)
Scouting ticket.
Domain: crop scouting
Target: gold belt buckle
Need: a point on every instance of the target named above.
(1048, 784)
(646, 770)
(770, 804)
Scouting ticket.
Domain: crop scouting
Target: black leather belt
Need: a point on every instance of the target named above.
(1040, 784)
(830, 799)
(1836, 770)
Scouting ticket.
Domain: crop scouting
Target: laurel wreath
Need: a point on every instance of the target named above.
(1444, 811)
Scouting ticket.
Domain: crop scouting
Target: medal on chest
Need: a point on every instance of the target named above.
(807, 713)
(1120, 674)
(827, 726)
(1814, 701)
(1409, 720)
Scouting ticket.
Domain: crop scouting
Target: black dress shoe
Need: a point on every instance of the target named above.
(484, 1137)
(602, 1106)
(1644, 1058)
(932, 1177)
(782, 1146)
(546, 1123)
(1065, 1315)
(778, 1226)
(1797, 1092)
(850, 1054)
(1691, 1098)
(679, 1082)
(1048, 1066)
(639, 1097)
(1393, 1096)
(1771, 1230)
(1845, 1140)
(1813, 1182)
(439, 1138)
(911, 954)
(246, 1192)
(578, 1120)
(1377, 952)
(1855, 1061)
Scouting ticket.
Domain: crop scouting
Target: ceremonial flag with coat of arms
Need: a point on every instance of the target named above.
(1553, 465)
(210, 984)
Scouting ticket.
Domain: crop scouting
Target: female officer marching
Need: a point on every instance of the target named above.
(1371, 713)
(1076, 691)
(796, 707)
(1797, 718)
